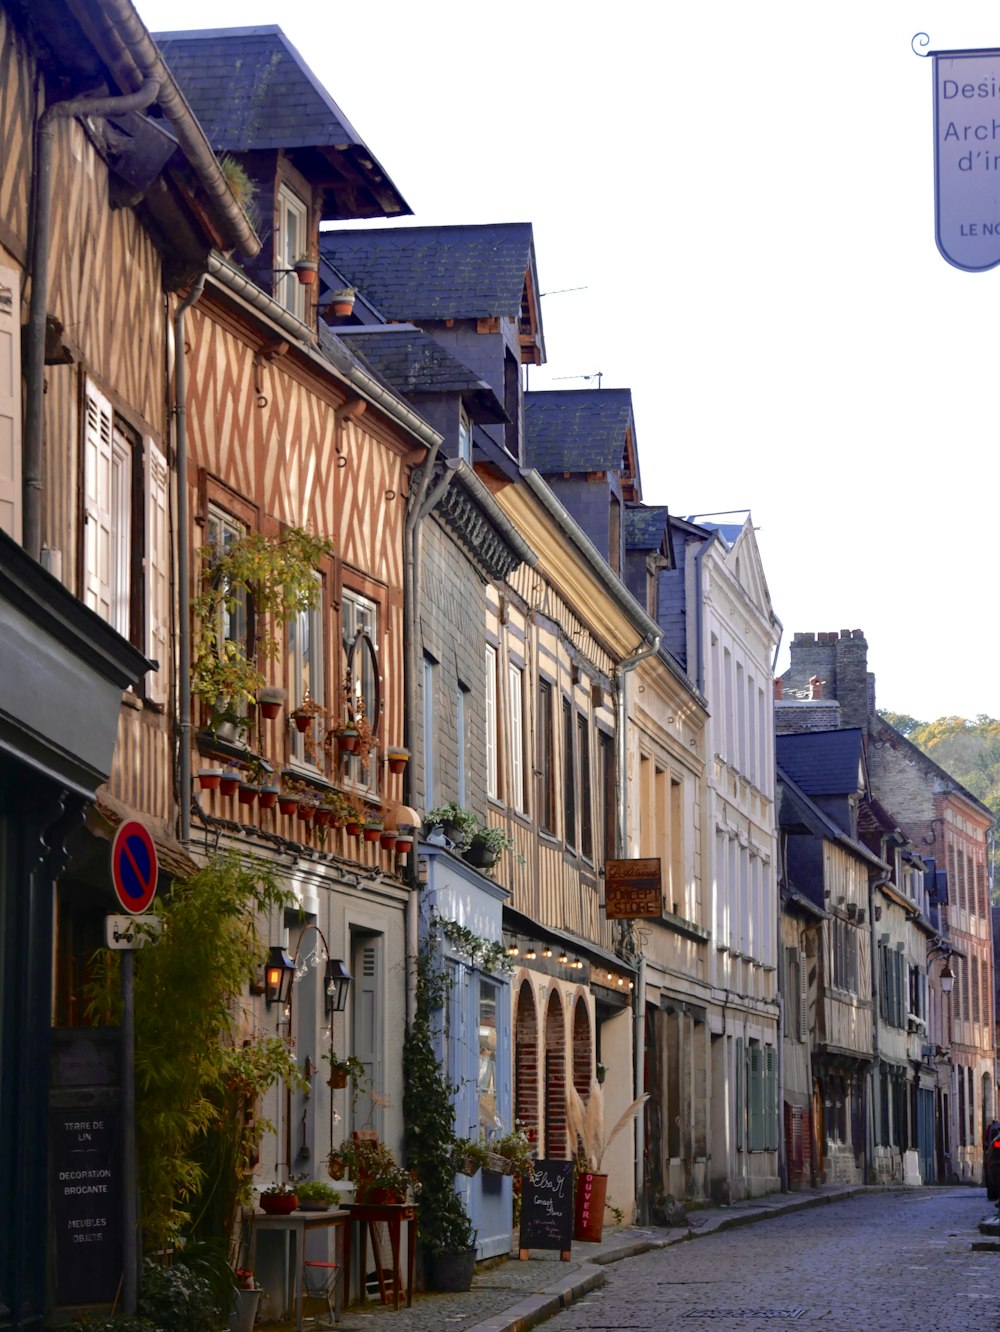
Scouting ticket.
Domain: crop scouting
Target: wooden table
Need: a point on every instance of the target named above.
(296, 1225)
(369, 1216)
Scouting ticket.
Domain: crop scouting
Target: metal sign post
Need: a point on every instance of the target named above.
(133, 872)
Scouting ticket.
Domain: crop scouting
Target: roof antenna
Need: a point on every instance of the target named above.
(598, 375)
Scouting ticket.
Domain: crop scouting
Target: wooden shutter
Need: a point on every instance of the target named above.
(740, 1098)
(98, 537)
(491, 722)
(755, 1086)
(803, 997)
(10, 402)
(157, 569)
(770, 1098)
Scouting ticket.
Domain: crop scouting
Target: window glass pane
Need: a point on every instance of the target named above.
(487, 1074)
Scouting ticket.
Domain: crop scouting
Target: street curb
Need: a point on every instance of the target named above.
(535, 1309)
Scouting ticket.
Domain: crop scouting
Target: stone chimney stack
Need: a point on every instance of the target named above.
(840, 662)
(779, 689)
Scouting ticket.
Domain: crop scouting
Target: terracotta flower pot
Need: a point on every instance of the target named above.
(347, 741)
(302, 720)
(388, 839)
(248, 793)
(307, 812)
(270, 710)
(354, 829)
(306, 271)
(323, 817)
(397, 759)
(288, 804)
(229, 782)
(268, 797)
(404, 844)
(210, 779)
(373, 832)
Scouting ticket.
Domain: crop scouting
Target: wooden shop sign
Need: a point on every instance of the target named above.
(632, 889)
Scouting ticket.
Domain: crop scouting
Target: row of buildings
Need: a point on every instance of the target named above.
(586, 672)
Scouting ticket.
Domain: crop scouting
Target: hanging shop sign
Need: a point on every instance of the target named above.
(632, 889)
(967, 157)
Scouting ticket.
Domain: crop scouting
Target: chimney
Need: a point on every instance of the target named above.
(779, 689)
(815, 687)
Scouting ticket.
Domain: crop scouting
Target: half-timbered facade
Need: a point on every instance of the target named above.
(823, 779)
(101, 211)
(286, 429)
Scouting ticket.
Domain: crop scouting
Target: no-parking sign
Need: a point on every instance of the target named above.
(133, 867)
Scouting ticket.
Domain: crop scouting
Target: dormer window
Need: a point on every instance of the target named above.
(290, 243)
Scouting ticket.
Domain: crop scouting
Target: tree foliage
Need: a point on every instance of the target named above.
(199, 1061)
(967, 749)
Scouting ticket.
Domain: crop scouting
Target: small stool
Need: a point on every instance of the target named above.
(320, 1283)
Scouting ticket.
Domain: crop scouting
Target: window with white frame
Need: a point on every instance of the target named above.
(464, 436)
(291, 242)
(430, 732)
(359, 619)
(516, 737)
(306, 677)
(126, 557)
(10, 402)
(492, 766)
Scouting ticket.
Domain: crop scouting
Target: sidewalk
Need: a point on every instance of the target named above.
(514, 1295)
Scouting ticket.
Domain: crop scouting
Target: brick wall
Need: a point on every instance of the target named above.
(840, 660)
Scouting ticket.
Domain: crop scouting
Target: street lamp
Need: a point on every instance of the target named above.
(947, 977)
(278, 976)
(338, 982)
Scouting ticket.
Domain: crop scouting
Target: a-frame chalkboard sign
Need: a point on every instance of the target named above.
(547, 1209)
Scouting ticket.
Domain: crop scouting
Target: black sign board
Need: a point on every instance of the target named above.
(547, 1208)
(87, 1202)
(85, 1135)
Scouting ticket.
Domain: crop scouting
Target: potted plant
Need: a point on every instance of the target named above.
(270, 699)
(486, 845)
(306, 270)
(355, 817)
(352, 732)
(276, 574)
(342, 301)
(511, 1153)
(315, 1195)
(343, 1069)
(377, 1175)
(456, 823)
(210, 779)
(304, 715)
(246, 1298)
(387, 838)
(229, 782)
(468, 1156)
(397, 758)
(373, 827)
(585, 1122)
(278, 1199)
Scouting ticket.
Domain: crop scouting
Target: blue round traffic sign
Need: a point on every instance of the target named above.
(133, 867)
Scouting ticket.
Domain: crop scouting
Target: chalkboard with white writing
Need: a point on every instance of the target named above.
(547, 1207)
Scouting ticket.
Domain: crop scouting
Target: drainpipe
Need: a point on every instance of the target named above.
(651, 645)
(34, 371)
(416, 510)
(873, 1077)
(183, 564)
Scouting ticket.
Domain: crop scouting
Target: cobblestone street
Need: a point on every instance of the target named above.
(838, 1259)
(885, 1260)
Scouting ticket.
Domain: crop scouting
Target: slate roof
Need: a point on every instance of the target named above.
(822, 763)
(415, 273)
(646, 527)
(577, 430)
(797, 813)
(414, 362)
(251, 90)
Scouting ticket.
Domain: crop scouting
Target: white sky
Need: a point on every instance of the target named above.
(746, 195)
